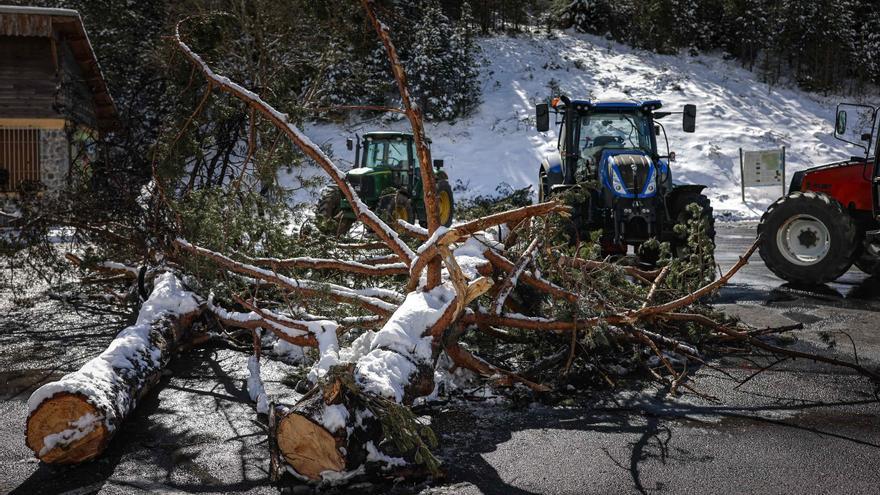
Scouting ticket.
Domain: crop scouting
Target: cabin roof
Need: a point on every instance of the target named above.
(45, 22)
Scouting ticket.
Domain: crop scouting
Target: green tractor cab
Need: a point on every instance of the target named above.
(387, 178)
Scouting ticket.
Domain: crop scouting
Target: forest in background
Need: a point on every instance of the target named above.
(820, 45)
(326, 56)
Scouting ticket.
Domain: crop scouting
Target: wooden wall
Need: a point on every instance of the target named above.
(75, 97)
(27, 78)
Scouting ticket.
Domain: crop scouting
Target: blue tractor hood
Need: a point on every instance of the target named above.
(629, 173)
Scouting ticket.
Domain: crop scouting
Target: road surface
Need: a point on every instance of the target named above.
(797, 428)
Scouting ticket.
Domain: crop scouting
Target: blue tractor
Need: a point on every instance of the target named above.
(609, 150)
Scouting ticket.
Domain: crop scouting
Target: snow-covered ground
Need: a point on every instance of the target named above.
(499, 143)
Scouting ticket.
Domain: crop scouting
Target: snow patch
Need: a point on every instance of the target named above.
(255, 387)
(79, 429)
(375, 455)
(385, 373)
(498, 142)
(328, 348)
(334, 417)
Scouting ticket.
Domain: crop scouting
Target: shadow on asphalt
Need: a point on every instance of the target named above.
(652, 421)
(864, 295)
(155, 447)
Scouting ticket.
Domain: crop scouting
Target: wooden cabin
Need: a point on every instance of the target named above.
(54, 101)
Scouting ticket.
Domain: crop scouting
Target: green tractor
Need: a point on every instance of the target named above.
(388, 180)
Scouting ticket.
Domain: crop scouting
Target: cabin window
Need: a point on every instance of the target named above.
(19, 158)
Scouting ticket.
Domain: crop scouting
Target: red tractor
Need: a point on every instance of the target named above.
(830, 218)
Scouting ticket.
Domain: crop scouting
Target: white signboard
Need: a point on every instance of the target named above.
(762, 168)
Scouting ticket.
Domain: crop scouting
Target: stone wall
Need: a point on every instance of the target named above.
(54, 159)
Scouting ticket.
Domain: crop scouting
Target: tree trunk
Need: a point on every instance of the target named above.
(304, 442)
(73, 419)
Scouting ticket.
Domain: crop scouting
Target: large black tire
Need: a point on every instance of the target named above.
(681, 215)
(329, 212)
(807, 238)
(396, 206)
(443, 188)
(648, 256)
(868, 261)
(543, 186)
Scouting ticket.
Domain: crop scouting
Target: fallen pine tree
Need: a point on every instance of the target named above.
(506, 298)
(73, 419)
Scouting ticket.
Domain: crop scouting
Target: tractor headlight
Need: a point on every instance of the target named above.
(652, 186)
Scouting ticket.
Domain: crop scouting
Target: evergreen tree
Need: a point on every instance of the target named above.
(465, 50)
(866, 43)
(442, 68)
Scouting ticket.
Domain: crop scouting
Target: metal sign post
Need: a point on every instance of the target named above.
(742, 175)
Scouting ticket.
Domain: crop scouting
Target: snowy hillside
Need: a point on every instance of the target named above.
(498, 143)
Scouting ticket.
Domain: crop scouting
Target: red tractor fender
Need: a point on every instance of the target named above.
(848, 182)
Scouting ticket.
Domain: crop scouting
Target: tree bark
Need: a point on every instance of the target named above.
(72, 420)
(414, 114)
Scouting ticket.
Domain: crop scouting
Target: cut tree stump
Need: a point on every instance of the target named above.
(73, 419)
(304, 442)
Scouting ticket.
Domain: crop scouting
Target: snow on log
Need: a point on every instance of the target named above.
(393, 365)
(73, 419)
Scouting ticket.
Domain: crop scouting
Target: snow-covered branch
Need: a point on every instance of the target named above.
(282, 121)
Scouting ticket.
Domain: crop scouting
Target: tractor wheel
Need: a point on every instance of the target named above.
(648, 256)
(394, 207)
(868, 261)
(329, 212)
(543, 187)
(869, 265)
(807, 238)
(681, 215)
(445, 203)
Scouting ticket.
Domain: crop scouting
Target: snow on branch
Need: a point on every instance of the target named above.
(282, 121)
(305, 263)
(306, 287)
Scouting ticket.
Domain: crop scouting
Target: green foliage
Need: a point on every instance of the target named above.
(608, 289)
(694, 265)
(400, 426)
(505, 198)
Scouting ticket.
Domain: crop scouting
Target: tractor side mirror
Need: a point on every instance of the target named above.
(349, 143)
(689, 119)
(855, 123)
(438, 163)
(840, 124)
(542, 115)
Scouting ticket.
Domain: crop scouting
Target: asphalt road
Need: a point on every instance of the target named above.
(800, 427)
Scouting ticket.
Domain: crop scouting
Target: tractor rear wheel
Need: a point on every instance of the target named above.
(681, 215)
(868, 260)
(543, 187)
(807, 238)
(329, 212)
(394, 207)
(445, 203)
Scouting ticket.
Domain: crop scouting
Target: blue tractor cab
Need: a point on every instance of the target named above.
(610, 149)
